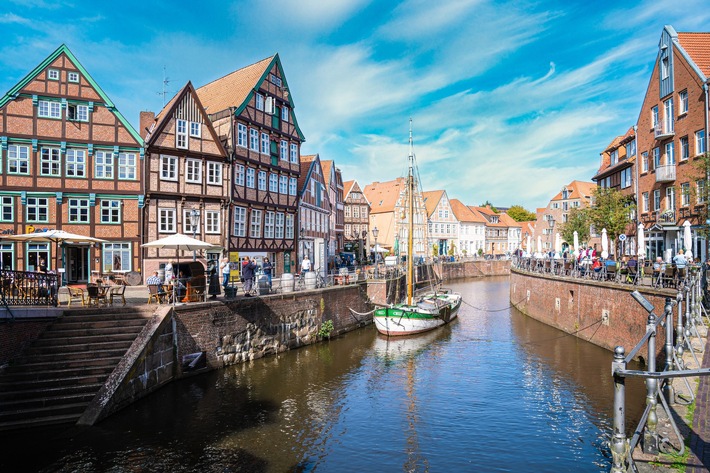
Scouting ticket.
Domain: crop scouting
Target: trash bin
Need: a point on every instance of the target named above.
(230, 292)
(310, 280)
(287, 282)
(263, 284)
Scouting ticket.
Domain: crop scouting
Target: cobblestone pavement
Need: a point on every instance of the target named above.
(699, 459)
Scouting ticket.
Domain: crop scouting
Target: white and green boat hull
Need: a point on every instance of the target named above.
(429, 313)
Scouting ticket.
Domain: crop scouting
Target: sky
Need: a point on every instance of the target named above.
(509, 101)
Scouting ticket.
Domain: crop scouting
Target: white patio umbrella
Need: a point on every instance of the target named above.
(56, 237)
(687, 240)
(527, 246)
(605, 244)
(576, 244)
(539, 244)
(558, 243)
(641, 241)
(179, 242)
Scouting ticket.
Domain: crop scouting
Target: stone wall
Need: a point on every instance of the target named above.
(17, 334)
(250, 328)
(473, 269)
(599, 312)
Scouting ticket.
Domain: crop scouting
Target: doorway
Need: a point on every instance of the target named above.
(77, 263)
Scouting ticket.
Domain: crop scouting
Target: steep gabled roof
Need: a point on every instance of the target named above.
(431, 200)
(347, 187)
(383, 195)
(510, 221)
(697, 47)
(464, 214)
(306, 170)
(327, 167)
(578, 190)
(63, 49)
(237, 88)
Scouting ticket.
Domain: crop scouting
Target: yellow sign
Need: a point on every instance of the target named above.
(29, 229)
(233, 265)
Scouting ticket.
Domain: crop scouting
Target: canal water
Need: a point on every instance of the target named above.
(493, 391)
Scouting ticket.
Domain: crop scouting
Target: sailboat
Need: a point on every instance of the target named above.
(424, 312)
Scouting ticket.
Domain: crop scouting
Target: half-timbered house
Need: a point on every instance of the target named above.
(314, 209)
(69, 160)
(187, 179)
(252, 111)
(356, 218)
(334, 185)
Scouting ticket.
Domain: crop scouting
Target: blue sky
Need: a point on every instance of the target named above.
(510, 100)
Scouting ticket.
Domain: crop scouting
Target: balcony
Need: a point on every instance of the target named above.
(667, 217)
(665, 173)
(662, 132)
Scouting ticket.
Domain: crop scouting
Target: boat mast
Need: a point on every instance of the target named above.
(410, 236)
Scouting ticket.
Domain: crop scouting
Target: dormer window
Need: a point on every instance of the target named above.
(52, 74)
(259, 102)
(73, 76)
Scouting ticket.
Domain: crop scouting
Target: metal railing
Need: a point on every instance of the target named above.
(25, 288)
(678, 339)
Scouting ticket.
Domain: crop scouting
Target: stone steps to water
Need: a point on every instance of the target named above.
(60, 372)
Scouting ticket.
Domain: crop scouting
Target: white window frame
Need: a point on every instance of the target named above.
(75, 163)
(50, 157)
(273, 182)
(670, 198)
(212, 222)
(53, 74)
(684, 148)
(279, 231)
(262, 180)
(654, 116)
(240, 221)
(657, 199)
(292, 186)
(80, 112)
(259, 101)
(700, 187)
(294, 153)
(685, 194)
(239, 174)
(168, 167)
(265, 143)
(214, 173)
(269, 223)
(644, 161)
(250, 178)
(73, 77)
(241, 135)
(181, 133)
(284, 113)
(700, 142)
(644, 202)
(255, 224)
(670, 153)
(110, 211)
(187, 222)
(253, 139)
(682, 102)
(284, 150)
(49, 109)
(18, 157)
(127, 166)
(103, 164)
(193, 171)
(111, 251)
(167, 220)
(289, 226)
(283, 185)
(78, 210)
(196, 129)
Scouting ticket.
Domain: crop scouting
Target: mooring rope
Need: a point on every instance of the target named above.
(493, 310)
(362, 314)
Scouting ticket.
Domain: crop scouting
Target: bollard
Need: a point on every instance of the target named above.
(679, 322)
(619, 443)
(668, 392)
(650, 434)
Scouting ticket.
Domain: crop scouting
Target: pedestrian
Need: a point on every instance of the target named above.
(213, 289)
(169, 272)
(224, 269)
(267, 267)
(248, 274)
(305, 265)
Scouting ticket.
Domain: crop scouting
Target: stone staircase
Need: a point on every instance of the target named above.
(59, 373)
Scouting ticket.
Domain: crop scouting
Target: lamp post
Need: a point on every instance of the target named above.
(551, 222)
(194, 222)
(375, 232)
(300, 242)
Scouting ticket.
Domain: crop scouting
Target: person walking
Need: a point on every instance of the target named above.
(224, 269)
(248, 275)
(213, 289)
(267, 267)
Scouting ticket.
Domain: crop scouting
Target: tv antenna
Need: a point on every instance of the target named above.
(166, 81)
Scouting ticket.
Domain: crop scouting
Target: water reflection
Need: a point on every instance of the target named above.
(494, 391)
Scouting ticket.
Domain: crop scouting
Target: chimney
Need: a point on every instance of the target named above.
(146, 120)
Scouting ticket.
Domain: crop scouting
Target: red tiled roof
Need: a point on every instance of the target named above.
(464, 213)
(431, 200)
(697, 45)
(579, 190)
(383, 195)
(347, 187)
(232, 89)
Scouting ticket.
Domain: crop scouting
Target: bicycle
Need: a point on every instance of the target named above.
(300, 283)
(320, 282)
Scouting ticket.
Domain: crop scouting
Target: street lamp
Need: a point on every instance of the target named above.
(551, 222)
(194, 222)
(375, 232)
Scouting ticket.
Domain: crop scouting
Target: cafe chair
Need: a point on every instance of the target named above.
(117, 292)
(76, 294)
(97, 295)
(154, 294)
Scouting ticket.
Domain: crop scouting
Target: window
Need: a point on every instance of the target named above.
(614, 157)
(670, 198)
(193, 171)
(292, 186)
(73, 76)
(631, 149)
(657, 199)
(259, 102)
(684, 148)
(242, 135)
(7, 209)
(279, 225)
(275, 80)
(253, 139)
(181, 134)
(37, 209)
(700, 186)
(255, 224)
(52, 74)
(670, 153)
(265, 143)
(127, 166)
(239, 174)
(49, 162)
(195, 129)
(262, 180)
(644, 162)
(187, 222)
(363, 211)
(269, 221)
(103, 165)
(283, 185)
(284, 150)
(212, 221)
(48, 109)
(347, 211)
(76, 163)
(700, 142)
(668, 118)
(240, 221)
(78, 210)
(654, 116)
(273, 182)
(294, 153)
(250, 177)
(167, 221)
(685, 194)
(284, 113)
(683, 99)
(214, 173)
(656, 157)
(110, 211)
(289, 227)
(168, 168)
(356, 213)
(79, 113)
(18, 159)
(117, 257)
(644, 202)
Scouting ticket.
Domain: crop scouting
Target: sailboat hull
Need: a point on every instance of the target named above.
(429, 313)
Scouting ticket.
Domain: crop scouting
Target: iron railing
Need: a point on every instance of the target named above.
(25, 288)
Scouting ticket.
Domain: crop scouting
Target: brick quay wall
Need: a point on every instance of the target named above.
(602, 313)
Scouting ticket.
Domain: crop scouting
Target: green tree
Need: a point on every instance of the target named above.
(487, 202)
(520, 214)
(611, 210)
(701, 191)
(452, 248)
(435, 250)
(577, 221)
